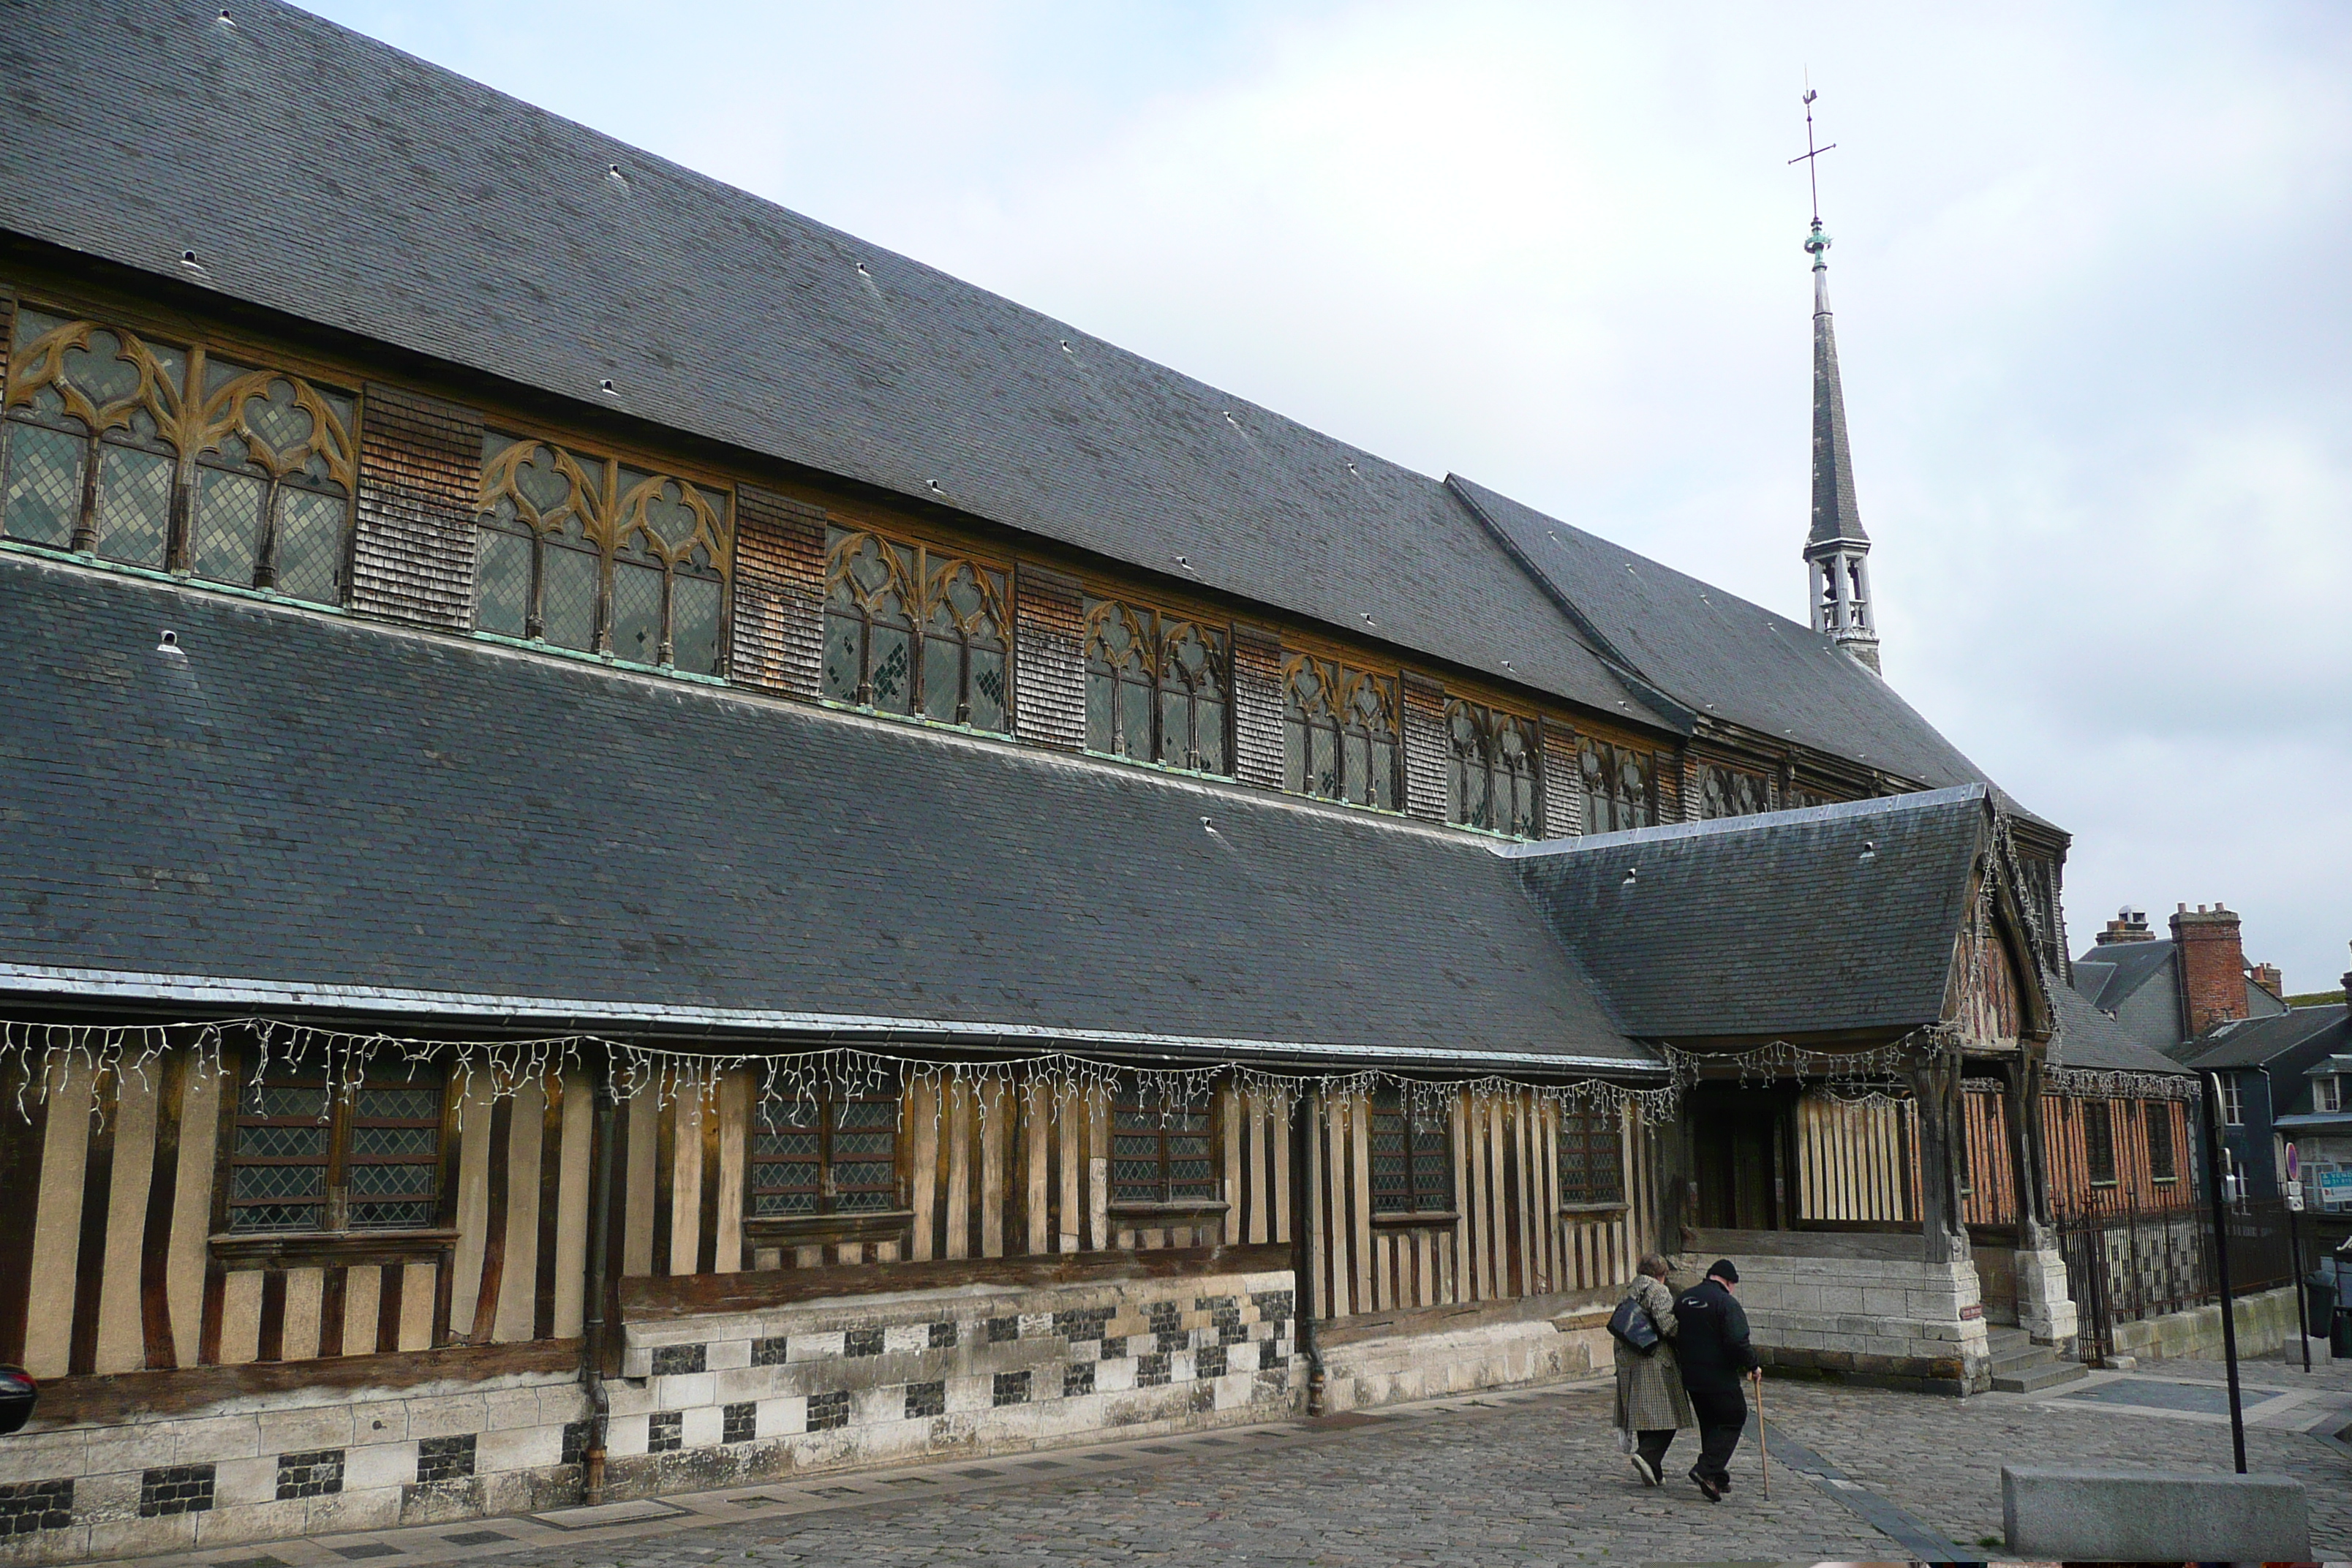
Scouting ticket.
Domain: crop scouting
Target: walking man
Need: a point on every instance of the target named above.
(1715, 1357)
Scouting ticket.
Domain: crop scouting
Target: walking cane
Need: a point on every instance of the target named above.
(1763, 1453)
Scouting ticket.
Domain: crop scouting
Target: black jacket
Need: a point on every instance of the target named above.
(1713, 1343)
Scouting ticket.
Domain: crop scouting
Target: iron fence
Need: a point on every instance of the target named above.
(2126, 1263)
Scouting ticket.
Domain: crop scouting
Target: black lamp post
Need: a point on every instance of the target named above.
(2221, 1260)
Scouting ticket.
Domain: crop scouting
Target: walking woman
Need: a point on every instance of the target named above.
(1651, 1404)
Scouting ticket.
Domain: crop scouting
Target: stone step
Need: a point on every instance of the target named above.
(2009, 1358)
(2034, 1380)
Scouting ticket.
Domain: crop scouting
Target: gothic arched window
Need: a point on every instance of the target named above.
(1618, 780)
(1492, 774)
(592, 554)
(104, 430)
(1155, 687)
(911, 631)
(1731, 791)
(1339, 733)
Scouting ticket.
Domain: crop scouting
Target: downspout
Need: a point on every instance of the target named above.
(1303, 1165)
(591, 1343)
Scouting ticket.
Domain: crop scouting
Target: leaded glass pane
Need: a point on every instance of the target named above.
(1209, 736)
(637, 612)
(1175, 728)
(502, 583)
(893, 676)
(380, 1214)
(103, 372)
(32, 324)
(43, 497)
(310, 545)
(134, 504)
(404, 1179)
(989, 692)
(267, 1143)
(277, 421)
(1101, 692)
(568, 593)
(844, 639)
(1384, 774)
(694, 623)
(1134, 720)
(942, 679)
(670, 517)
(403, 1102)
(1293, 756)
(228, 525)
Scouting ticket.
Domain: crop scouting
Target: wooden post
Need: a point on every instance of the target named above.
(1936, 1082)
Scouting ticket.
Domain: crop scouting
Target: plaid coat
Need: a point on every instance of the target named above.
(1650, 1397)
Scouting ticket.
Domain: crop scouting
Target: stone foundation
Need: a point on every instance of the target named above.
(2264, 1322)
(1857, 1307)
(2045, 1311)
(1419, 1356)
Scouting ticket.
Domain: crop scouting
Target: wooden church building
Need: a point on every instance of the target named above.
(646, 846)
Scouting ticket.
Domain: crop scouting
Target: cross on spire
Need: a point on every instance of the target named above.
(1811, 153)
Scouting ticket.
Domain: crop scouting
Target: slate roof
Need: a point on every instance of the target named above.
(382, 196)
(313, 802)
(2254, 1042)
(2114, 970)
(375, 193)
(2090, 1041)
(1836, 517)
(1721, 656)
(1771, 925)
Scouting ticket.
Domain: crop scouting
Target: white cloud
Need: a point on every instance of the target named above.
(2088, 275)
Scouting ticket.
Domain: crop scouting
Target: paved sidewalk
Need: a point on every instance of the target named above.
(1532, 1477)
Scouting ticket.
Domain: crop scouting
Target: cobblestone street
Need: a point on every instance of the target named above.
(1532, 1477)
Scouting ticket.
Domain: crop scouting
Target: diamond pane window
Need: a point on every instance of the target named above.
(312, 1156)
(1617, 782)
(1591, 1158)
(915, 632)
(1160, 1153)
(105, 430)
(1155, 687)
(588, 554)
(824, 1154)
(1413, 1155)
(1492, 777)
(1339, 733)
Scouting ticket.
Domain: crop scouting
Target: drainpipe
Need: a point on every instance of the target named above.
(1304, 1119)
(591, 1343)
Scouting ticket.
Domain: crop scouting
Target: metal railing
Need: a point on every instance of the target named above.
(2126, 1263)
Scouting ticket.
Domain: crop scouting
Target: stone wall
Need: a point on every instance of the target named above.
(2263, 1323)
(1858, 1307)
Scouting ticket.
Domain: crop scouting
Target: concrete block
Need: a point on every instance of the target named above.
(504, 1409)
(2139, 1515)
(721, 1355)
(684, 1390)
(114, 1496)
(702, 1427)
(517, 1448)
(305, 1427)
(237, 1481)
(379, 1421)
(377, 1507)
(783, 1417)
(379, 1465)
(446, 1416)
(54, 1456)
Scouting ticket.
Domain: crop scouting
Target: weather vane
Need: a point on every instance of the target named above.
(1816, 242)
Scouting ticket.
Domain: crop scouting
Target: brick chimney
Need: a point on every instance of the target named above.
(2212, 966)
(2268, 977)
(2129, 925)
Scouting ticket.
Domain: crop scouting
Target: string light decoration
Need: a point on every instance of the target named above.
(2098, 1083)
(45, 1056)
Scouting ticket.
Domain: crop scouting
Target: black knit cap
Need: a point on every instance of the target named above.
(1721, 1268)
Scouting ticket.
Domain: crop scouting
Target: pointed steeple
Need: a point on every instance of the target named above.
(1836, 548)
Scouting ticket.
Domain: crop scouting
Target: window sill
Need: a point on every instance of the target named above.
(589, 655)
(175, 579)
(1171, 1214)
(1146, 762)
(812, 1229)
(1615, 1206)
(1419, 1219)
(329, 1248)
(925, 720)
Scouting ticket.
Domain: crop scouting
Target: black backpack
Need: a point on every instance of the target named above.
(1632, 1328)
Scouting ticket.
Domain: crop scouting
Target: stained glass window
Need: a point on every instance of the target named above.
(827, 1153)
(1160, 1153)
(1591, 1158)
(1155, 687)
(312, 1154)
(1339, 733)
(913, 631)
(1413, 1155)
(1617, 782)
(1731, 791)
(1492, 777)
(587, 553)
(105, 429)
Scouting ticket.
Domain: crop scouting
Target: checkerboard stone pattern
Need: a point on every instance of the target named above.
(970, 1369)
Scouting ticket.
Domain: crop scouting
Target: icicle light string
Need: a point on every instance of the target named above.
(46, 1056)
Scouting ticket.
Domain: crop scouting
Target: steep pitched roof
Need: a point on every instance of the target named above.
(2256, 1042)
(375, 193)
(353, 814)
(1769, 925)
(1836, 516)
(1719, 655)
(2090, 1041)
(2115, 970)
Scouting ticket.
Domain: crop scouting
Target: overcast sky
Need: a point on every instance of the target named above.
(2090, 277)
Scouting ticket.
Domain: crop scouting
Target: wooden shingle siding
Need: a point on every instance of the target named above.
(779, 592)
(1425, 747)
(1563, 791)
(1050, 664)
(420, 471)
(1258, 706)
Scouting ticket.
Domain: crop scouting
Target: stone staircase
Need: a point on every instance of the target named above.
(2020, 1366)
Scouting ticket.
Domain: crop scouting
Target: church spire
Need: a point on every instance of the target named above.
(1837, 550)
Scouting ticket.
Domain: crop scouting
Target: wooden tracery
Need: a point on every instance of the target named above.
(165, 456)
(1157, 687)
(912, 631)
(1494, 777)
(1340, 732)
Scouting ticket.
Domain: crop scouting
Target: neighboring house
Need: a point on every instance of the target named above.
(2161, 991)
(2284, 1079)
